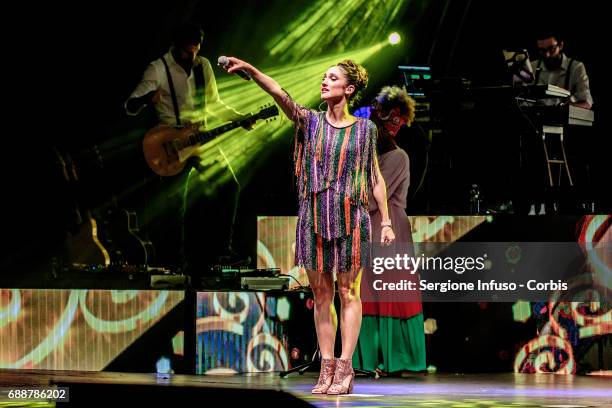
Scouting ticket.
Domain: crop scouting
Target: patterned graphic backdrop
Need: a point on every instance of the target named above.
(567, 328)
(76, 329)
(240, 332)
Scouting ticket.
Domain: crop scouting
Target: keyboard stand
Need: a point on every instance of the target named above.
(548, 130)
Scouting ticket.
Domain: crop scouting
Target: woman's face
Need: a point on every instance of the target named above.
(334, 85)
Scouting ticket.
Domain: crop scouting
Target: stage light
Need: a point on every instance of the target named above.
(521, 311)
(163, 366)
(430, 325)
(394, 38)
(283, 309)
(314, 32)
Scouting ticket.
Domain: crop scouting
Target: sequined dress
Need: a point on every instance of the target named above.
(335, 168)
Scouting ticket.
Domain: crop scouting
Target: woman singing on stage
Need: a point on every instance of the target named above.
(335, 165)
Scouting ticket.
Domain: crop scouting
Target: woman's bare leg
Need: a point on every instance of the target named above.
(350, 312)
(326, 320)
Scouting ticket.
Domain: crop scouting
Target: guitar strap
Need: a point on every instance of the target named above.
(172, 93)
(200, 83)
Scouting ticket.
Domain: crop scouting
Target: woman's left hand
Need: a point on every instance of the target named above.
(387, 236)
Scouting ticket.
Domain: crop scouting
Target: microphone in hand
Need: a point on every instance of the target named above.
(224, 62)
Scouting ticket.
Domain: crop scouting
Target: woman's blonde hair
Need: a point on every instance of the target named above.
(357, 76)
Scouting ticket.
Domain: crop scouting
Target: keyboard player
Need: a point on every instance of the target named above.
(555, 68)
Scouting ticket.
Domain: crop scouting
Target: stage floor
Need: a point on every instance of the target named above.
(416, 390)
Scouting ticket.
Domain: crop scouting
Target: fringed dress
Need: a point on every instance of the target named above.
(335, 168)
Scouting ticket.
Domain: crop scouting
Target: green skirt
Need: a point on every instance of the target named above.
(391, 344)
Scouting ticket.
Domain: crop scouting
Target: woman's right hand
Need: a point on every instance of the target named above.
(235, 64)
(266, 83)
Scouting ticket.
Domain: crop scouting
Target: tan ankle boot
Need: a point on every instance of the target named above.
(326, 376)
(343, 378)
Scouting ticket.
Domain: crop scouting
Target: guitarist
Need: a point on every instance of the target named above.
(181, 87)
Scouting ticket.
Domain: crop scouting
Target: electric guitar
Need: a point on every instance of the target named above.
(82, 244)
(166, 148)
(120, 232)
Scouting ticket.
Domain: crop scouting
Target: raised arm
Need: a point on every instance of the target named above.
(214, 104)
(268, 84)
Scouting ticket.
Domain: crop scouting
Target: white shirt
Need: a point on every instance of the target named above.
(155, 78)
(578, 80)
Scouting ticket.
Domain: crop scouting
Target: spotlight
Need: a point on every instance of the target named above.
(394, 38)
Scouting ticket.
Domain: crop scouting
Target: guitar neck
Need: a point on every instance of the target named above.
(166, 149)
(209, 135)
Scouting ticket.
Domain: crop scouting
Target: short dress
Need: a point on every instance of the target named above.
(335, 168)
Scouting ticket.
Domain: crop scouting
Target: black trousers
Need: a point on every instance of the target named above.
(190, 219)
(208, 214)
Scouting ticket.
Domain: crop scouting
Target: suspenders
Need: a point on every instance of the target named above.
(568, 72)
(172, 93)
(200, 89)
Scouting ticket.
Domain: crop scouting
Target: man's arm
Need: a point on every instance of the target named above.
(146, 92)
(133, 106)
(581, 92)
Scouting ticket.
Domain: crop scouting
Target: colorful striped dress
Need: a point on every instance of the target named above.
(335, 168)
